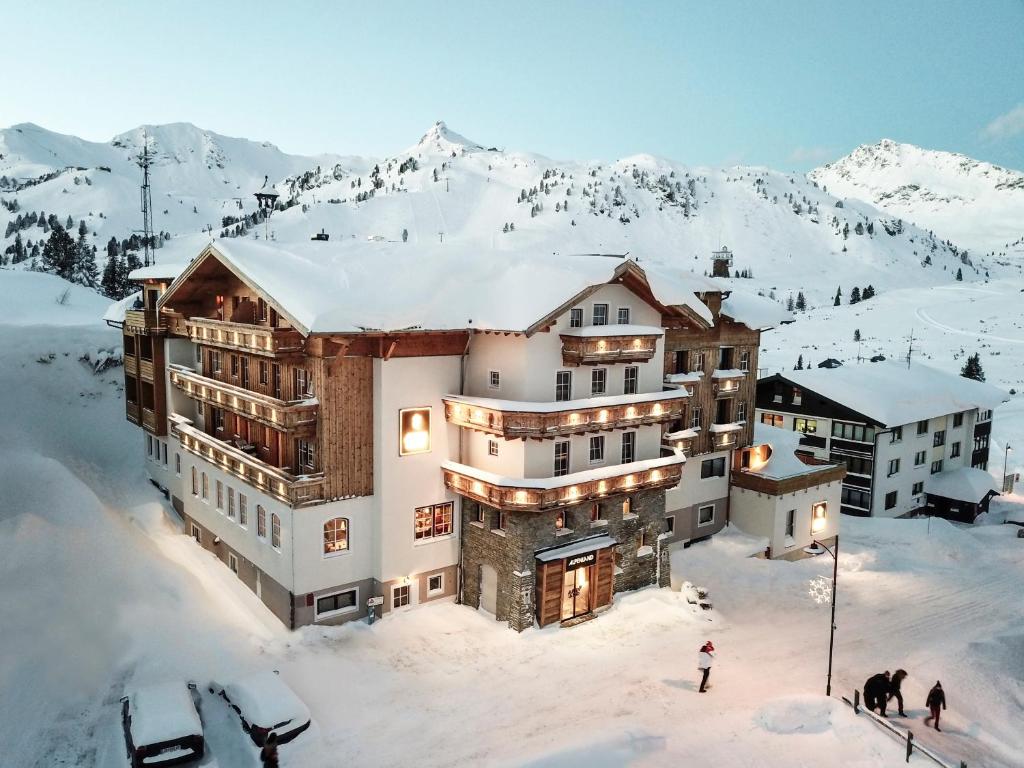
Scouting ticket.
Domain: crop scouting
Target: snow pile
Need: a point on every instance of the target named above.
(798, 714)
(34, 298)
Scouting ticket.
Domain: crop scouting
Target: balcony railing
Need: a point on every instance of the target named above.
(147, 322)
(727, 382)
(146, 370)
(131, 365)
(278, 414)
(551, 419)
(530, 494)
(150, 421)
(132, 412)
(594, 345)
(242, 337)
(295, 490)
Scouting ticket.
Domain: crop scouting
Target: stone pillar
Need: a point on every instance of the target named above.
(664, 562)
(520, 610)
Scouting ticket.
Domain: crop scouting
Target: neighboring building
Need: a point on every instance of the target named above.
(782, 492)
(897, 429)
(339, 423)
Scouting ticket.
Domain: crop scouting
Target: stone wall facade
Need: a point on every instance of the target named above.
(636, 522)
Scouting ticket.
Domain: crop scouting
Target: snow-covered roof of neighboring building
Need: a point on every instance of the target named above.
(783, 461)
(115, 312)
(356, 286)
(160, 271)
(963, 484)
(892, 394)
(756, 312)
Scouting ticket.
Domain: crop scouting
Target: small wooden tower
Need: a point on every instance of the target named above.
(265, 199)
(720, 262)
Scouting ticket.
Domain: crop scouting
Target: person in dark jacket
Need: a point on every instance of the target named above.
(268, 755)
(936, 698)
(894, 689)
(876, 692)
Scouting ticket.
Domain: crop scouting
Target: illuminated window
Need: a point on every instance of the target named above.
(560, 521)
(773, 419)
(818, 517)
(433, 521)
(807, 426)
(414, 434)
(335, 535)
(627, 506)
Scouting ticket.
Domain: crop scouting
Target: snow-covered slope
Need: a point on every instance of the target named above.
(977, 205)
(448, 189)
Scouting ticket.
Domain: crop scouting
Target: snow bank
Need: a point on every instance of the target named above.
(797, 714)
(35, 298)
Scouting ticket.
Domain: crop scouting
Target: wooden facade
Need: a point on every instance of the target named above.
(554, 590)
(144, 381)
(601, 350)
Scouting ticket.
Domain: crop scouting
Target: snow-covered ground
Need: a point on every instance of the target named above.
(99, 590)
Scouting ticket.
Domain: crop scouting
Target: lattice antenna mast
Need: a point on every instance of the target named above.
(144, 160)
(910, 347)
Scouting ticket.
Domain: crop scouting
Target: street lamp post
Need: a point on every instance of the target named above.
(832, 627)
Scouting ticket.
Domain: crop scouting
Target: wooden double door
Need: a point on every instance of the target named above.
(571, 587)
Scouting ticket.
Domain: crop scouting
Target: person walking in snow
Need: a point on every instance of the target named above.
(936, 698)
(876, 692)
(894, 689)
(704, 658)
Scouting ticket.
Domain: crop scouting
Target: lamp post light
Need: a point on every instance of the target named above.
(832, 627)
(265, 199)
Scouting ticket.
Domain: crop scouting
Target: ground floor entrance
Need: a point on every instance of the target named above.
(576, 592)
(574, 580)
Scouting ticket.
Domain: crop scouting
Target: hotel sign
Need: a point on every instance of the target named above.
(580, 561)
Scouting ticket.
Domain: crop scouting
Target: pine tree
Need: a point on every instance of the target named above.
(85, 271)
(959, 274)
(20, 254)
(789, 303)
(856, 334)
(801, 302)
(799, 363)
(110, 285)
(59, 253)
(972, 368)
(855, 295)
(839, 297)
(869, 293)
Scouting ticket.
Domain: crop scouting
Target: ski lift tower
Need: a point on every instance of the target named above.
(144, 160)
(265, 199)
(721, 260)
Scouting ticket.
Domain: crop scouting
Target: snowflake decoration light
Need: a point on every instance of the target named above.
(820, 590)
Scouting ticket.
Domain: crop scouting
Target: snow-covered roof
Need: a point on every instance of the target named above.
(615, 329)
(755, 312)
(684, 378)
(574, 478)
(728, 373)
(115, 312)
(577, 548)
(357, 286)
(159, 271)
(963, 484)
(604, 401)
(163, 712)
(892, 394)
(783, 462)
(266, 701)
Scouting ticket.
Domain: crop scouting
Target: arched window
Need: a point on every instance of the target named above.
(275, 531)
(335, 535)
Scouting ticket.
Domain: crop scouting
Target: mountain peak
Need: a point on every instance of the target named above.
(441, 138)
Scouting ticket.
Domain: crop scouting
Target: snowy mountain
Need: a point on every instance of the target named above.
(977, 205)
(784, 228)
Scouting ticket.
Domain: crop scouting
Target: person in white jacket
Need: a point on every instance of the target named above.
(704, 658)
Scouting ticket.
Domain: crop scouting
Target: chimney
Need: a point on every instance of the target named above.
(720, 262)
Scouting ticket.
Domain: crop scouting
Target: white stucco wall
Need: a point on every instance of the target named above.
(760, 514)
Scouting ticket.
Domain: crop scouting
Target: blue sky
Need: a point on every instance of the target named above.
(787, 84)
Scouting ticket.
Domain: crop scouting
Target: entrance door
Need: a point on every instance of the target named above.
(488, 589)
(576, 592)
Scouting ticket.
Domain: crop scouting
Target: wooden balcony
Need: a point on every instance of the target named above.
(278, 414)
(552, 419)
(147, 322)
(294, 490)
(241, 337)
(597, 345)
(131, 365)
(531, 494)
(147, 370)
(151, 421)
(132, 412)
(727, 383)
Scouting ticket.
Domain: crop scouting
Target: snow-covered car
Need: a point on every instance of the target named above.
(161, 725)
(265, 705)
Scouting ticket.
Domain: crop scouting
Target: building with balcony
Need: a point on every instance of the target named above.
(901, 431)
(344, 422)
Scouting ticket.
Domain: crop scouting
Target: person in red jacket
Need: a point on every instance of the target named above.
(936, 698)
(704, 658)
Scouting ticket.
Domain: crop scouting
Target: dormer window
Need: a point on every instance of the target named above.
(623, 316)
(576, 317)
(798, 396)
(600, 314)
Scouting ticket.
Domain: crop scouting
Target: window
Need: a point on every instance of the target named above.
(954, 450)
(918, 488)
(576, 317)
(818, 520)
(337, 603)
(234, 366)
(306, 455)
(435, 584)
(890, 499)
(177, 464)
(245, 372)
(261, 309)
(897, 435)
(725, 358)
(335, 536)
(627, 507)
(243, 510)
(857, 432)
(706, 515)
(215, 361)
(712, 468)
(695, 417)
(798, 396)
(920, 458)
(981, 442)
(220, 496)
(679, 361)
(414, 426)
(561, 458)
(218, 419)
(481, 514)
(149, 445)
(264, 372)
(433, 521)
(400, 596)
(939, 438)
(231, 502)
(807, 426)
(630, 378)
(560, 521)
(922, 427)
(596, 449)
(600, 314)
(856, 498)
(275, 531)
(595, 512)
(958, 420)
(197, 533)
(199, 354)
(628, 447)
(301, 383)
(261, 521)
(855, 465)
(984, 415)
(502, 521)
(206, 487)
(894, 466)
(598, 381)
(623, 315)
(741, 411)
(936, 466)
(744, 361)
(163, 447)
(670, 524)
(494, 379)
(492, 447)
(233, 563)
(195, 482)
(699, 362)
(790, 523)
(275, 385)
(773, 419)
(563, 385)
